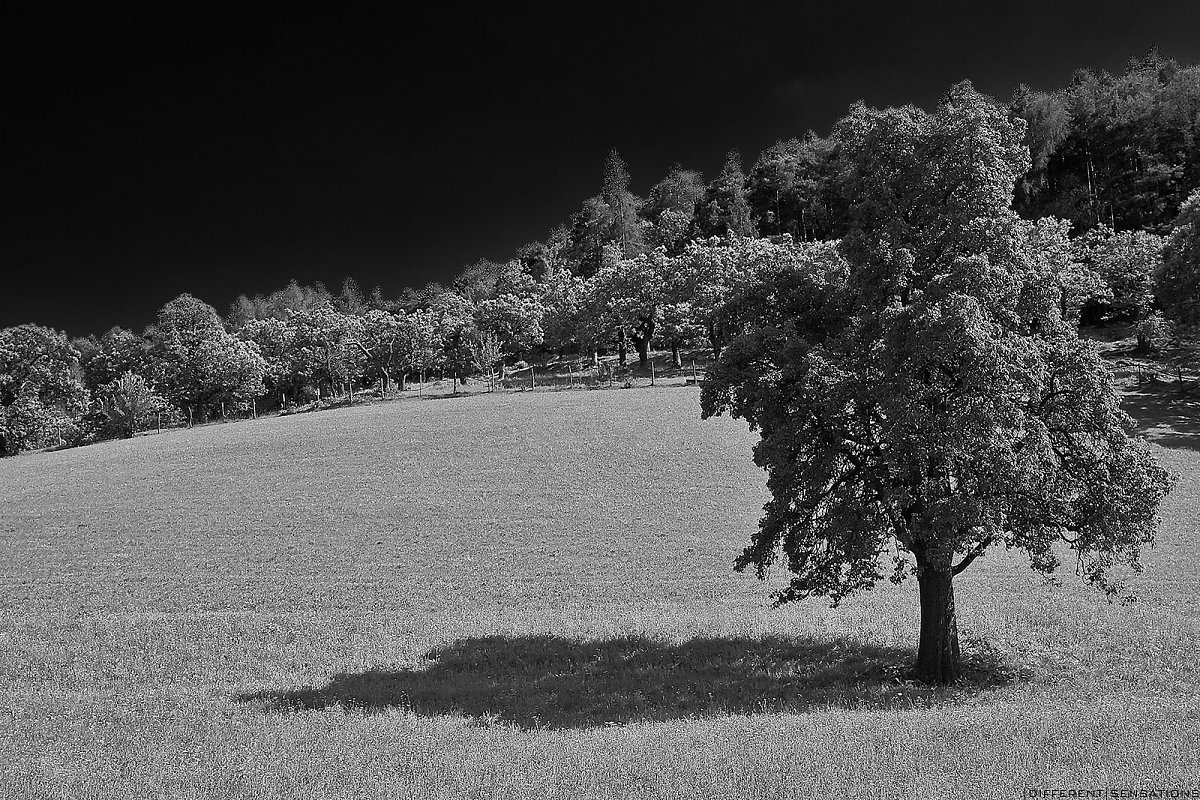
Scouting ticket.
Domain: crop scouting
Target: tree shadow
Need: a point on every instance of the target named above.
(548, 681)
(1165, 415)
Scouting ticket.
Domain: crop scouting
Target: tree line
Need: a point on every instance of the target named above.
(1113, 163)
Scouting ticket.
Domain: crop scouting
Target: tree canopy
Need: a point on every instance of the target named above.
(929, 398)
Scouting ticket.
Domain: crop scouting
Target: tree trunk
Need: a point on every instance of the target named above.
(676, 359)
(643, 351)
(714, 338)
(938, 653)
(621, 349)
(403, 381)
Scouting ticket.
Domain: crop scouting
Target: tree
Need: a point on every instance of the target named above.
(455, 331)
(1179, 279)
(513, 320)
(671, 208)
(129, 405)
(715, 277)
(1126, 263)
(116, 352)
(325, 347)
(624, 227)
(786, 189)
(929, 401)
(563, 297)
(588, 233)
(40, 393)
(351, 301)
(199, 364)
(1178, 285)
(397, 344)
(724, 211)
(626, 297)
(275, 340)
(1113, 149)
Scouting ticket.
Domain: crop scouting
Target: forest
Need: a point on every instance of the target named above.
(1112, 181)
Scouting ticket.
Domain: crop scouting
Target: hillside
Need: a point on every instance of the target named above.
(531, 595)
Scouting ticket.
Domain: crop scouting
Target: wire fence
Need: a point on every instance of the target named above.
(606, 373)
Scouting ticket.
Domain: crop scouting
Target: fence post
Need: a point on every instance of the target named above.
(158, 420)
(254, 407)
(652, 372)
(694, 380)
(533, 376)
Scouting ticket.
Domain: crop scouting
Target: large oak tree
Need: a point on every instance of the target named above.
(930, 398)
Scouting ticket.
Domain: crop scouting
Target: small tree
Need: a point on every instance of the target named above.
(930, 398)
(129, 405)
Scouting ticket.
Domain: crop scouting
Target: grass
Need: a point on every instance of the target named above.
(530, 595)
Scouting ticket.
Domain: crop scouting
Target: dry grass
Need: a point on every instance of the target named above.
(530, 595)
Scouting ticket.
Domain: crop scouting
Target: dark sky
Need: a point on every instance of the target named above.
(226, 152)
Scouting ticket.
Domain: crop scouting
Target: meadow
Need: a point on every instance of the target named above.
(530, 595)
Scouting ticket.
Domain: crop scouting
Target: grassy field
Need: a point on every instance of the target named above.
(530, 595)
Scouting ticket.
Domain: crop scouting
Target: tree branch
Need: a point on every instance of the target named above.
(971, 556)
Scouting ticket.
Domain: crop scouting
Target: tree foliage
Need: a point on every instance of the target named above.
(129, 405)
(198, 363)
(1116, 149)
(1126, 263)
(930, 401)
(40, 393)
(1179, 279)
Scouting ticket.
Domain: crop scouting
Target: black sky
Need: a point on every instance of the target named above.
(226, 152)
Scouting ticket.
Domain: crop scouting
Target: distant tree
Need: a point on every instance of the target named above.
(241, 311)
(113, 354)
(420, 348)
(199, 364)
(716, 277)
(787, 186)
(377, 302)
(589, 232)
(325, 347)
(396, 344)
(129, 405)
(610, 218)
(724, 211)
(1113, 149)
(1126, 262)
(627, 297)
(350, 300)
(563, 296)
(513, 320)
(931, 401)
(411, 299)
(624, 227)
(487, 352)
(40, 393)
(1179, 279)
(275, 341)
(1047, 125)
(670, 209)
(454, 327)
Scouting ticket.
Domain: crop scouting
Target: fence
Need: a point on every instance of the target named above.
(608, 374)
